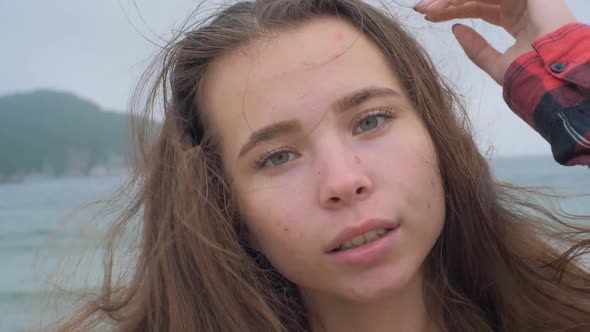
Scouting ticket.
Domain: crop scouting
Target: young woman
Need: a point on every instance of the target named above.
(314, 172)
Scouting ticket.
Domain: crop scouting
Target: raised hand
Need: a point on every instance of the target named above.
(525, 20)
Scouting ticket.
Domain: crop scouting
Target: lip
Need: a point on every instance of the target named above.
(369, 253)
(351, 232)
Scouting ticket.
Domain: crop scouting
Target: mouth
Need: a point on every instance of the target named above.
(362, 240)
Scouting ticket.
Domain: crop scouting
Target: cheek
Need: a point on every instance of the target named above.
(412, 178)
(426, 181)
(422, 168)
(425, 205)
(276, 218)
(282, 228)
(427, 194)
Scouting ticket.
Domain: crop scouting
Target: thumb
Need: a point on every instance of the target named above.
(479, 51)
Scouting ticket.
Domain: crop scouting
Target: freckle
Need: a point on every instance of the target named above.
(357, 159)
(429, 205)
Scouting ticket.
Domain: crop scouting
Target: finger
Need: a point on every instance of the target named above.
(489, 13)
(481, 53)
(430, 6)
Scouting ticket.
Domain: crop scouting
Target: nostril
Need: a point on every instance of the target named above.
(360, 190)
(334, 199)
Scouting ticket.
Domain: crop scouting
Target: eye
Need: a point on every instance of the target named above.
(275, 158)
(372, 120)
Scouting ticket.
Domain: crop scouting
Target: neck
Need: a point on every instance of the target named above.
(402, 311)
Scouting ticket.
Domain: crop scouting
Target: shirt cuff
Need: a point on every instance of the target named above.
(556, 50)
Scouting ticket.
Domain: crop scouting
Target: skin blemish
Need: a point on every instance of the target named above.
(338, 36)
(286, 229)
(357, 160)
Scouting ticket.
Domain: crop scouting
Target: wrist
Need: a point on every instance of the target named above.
(560, 16)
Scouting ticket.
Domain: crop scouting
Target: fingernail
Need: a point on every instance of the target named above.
(454, 26)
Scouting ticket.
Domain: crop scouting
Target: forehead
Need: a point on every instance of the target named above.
(294, 74)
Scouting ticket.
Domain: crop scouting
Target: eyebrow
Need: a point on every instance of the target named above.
(344, 103)
(360, 96)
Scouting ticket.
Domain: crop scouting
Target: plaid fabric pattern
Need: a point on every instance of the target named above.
(549, 88)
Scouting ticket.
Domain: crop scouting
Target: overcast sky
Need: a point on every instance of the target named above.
(95, 49)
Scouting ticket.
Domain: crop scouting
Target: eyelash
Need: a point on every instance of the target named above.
(385, 112)
(258, 164)
(381, 111)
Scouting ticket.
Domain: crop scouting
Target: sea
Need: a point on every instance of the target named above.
(42, 239)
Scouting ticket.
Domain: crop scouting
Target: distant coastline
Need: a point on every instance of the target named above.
(46, 134)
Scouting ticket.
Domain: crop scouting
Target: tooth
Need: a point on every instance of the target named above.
(363, 239)
(357, 241)
(370, 236)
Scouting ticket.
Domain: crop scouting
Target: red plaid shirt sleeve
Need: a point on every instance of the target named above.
(549, 88)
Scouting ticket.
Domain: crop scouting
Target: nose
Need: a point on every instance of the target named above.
(343, 181)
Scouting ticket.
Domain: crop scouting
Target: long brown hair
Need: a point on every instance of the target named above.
(502, 262)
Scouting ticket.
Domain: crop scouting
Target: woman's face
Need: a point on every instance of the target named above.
(335, 174)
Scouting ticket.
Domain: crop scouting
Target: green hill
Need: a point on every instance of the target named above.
(54, 133)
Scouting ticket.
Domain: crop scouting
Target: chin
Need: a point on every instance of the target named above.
(379, 284)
